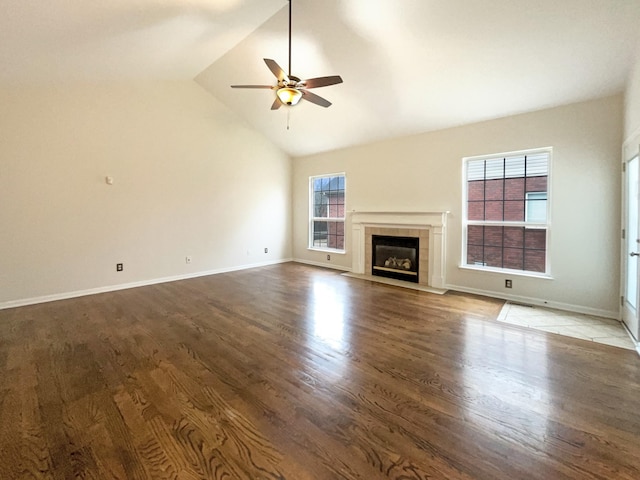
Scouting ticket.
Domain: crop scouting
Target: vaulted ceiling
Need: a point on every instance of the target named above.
(409, 66)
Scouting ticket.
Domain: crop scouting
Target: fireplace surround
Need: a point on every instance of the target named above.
(429, 227)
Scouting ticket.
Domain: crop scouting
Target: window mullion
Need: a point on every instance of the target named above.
(484, 213)
(504, 188)
(524, 232)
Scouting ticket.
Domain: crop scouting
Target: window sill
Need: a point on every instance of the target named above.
(507, 272)
(328, 250)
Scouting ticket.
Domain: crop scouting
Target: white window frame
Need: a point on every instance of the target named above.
(546, 225)
(312, 219)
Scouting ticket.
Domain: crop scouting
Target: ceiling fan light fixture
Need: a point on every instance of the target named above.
(289, 96)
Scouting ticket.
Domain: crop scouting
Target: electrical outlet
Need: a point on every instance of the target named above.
(266, 250)
(508, 284)
(187, 259)
(119, 267)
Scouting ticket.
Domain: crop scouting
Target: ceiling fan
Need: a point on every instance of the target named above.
(289, 89)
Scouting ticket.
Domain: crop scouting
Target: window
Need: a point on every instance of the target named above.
(327, 195)
(506, 224)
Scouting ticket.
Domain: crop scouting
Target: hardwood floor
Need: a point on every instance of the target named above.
(295, 372)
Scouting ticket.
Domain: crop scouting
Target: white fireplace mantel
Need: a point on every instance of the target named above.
(435, 222)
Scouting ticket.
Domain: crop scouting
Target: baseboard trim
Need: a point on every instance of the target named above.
(322, 264)
(539, 302)
(511, 298)
(112, 288)
(124, 286)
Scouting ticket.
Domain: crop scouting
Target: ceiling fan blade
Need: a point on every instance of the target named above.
(321, 81)
(276, 70)
(270, 87)
(276, 104)
(313, 98)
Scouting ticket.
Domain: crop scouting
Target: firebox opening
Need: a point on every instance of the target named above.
(395, 257)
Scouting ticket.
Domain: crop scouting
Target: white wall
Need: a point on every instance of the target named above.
(423, 172)
(632, 102)
(190, 179)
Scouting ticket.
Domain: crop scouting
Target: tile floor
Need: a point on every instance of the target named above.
(587, 327)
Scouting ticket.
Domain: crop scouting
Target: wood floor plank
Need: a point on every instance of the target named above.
(293, 372)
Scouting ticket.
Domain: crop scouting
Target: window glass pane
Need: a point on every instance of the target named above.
(631, 200)
(513, 258)
(320, 234)
(475, 170)
(535, 239)
(536, 207)
(514, 189)
(494, 189)
(493, 236)
(475, 235)
(494, 168)
(328, 235)
(514, 167)
(333, 204)
(534, 260)
(475, 255)
(475, 210)
(514, 211)
(536, 184)
(538, 164)
(335, 237)
(332, 233)
(319, 206)
(328, 197)
(494, 210)
(475, 191)
(493, 256)
(514, 237)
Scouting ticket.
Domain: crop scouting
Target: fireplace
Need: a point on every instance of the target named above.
(395, 257)
(429, 227)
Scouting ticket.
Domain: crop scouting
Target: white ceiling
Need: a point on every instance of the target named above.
(408, 66)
